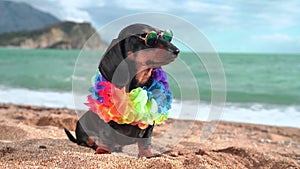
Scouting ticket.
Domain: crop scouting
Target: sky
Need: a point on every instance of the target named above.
(256, 26)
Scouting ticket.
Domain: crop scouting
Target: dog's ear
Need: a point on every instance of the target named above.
(113, 65)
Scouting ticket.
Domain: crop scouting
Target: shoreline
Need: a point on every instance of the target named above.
(71, 111)
(33, 136)
(253, 113)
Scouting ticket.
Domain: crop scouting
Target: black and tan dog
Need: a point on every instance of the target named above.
(128, 64)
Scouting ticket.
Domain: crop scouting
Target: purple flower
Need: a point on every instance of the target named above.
(160, 76)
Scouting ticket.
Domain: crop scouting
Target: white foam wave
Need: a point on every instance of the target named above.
(247, 113)
(275, 115)
(36, 98)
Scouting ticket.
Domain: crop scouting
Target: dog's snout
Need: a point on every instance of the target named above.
(173, 49)
(176, 51)
(168, 46)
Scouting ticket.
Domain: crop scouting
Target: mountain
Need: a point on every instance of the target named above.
(61, 35)
(17, 16)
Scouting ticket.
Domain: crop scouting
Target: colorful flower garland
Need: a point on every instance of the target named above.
(142, 106)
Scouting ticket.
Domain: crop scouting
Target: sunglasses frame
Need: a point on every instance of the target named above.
(161, 34)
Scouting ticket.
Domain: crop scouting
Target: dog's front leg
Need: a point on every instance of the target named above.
(145, 149)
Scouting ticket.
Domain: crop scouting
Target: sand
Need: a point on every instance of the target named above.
(33, 137)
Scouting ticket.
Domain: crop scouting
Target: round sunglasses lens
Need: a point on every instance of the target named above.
(167, 35)
(151, 38)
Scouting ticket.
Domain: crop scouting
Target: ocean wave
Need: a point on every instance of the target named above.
(278, 115)
(37, 98)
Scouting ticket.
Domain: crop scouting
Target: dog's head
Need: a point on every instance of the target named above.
(132, 55)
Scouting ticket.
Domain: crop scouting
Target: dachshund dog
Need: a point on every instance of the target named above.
(127, 63)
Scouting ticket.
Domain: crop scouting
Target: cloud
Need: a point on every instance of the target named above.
(224, 22)
(145, 5)
(268, 14)
(243, 13)
(205, 7)
(222, 16)
(277, 37)
(277, 42)
(75, 10)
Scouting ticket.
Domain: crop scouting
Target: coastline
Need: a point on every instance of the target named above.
(254, 113)
(32, 136)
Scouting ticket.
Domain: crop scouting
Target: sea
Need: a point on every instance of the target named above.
(240, 87)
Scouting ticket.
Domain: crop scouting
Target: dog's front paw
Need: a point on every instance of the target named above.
(146, 152)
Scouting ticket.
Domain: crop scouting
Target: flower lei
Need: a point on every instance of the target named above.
(142, 106)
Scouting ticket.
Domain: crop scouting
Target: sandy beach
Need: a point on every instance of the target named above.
(33, 137)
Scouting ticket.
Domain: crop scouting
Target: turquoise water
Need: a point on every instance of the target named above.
(251, 78)
(37, 69)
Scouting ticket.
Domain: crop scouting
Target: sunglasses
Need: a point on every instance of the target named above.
(151, 37)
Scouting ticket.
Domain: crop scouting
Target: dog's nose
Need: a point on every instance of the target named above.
(176, 51)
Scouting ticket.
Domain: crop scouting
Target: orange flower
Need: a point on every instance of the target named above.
(143, 126)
